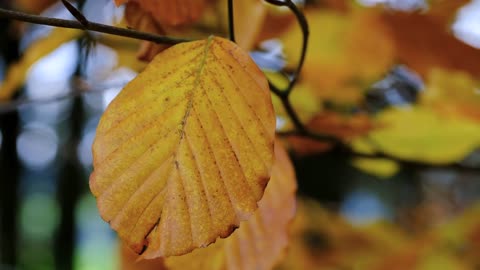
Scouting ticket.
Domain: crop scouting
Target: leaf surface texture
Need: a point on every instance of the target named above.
(183, 154)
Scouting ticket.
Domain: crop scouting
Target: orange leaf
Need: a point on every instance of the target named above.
(344, 127)
(331, 123)
(141, 20)
(418, 37)
(184, 153)
(172, 13)
(260, 242)
(33, 6)
(249, 18)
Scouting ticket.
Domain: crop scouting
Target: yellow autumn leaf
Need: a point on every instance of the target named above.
(184, 153)
(17, 72)
(260, 242)
(346, 52)
(417, 133)
(382, 168)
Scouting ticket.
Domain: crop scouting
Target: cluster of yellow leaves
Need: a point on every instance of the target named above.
(323, 240)
(351, 47)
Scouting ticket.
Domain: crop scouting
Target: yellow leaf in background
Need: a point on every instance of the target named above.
(260, 242)
(453, 94)
(184, 153)
(17, 72)
(347, 51)
(382, 168)
(417, 133)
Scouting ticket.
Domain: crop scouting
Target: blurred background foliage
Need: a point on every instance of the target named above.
(399, 78)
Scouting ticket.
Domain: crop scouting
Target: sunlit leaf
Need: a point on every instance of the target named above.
(184, 153)
(260, 242)
(382, 168)
(17, 72)
(417, 133)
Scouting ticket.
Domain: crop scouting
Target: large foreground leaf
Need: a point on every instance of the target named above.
(184, 153)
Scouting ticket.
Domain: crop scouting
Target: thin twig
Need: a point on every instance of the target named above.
(76, 13)
(231, 20)
(302, 21)
(284, 94)
(91, 26)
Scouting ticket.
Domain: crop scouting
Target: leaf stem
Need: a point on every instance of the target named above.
(231, 20)
(90, 26)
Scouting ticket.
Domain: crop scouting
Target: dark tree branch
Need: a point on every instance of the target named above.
(91, 26)
(231, 19)
(76, 13)
(284, 94)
